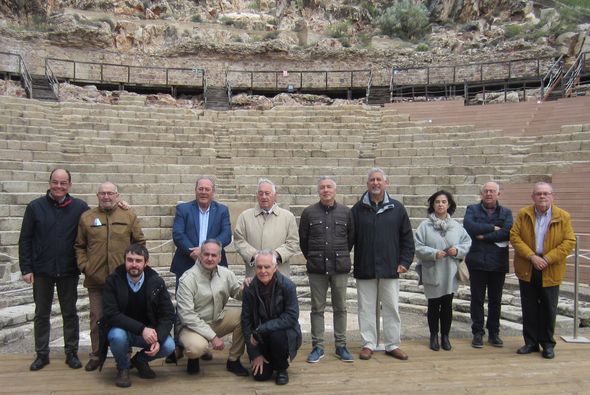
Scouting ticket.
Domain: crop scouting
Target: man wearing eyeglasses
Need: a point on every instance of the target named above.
(542, 237)
(104, 233)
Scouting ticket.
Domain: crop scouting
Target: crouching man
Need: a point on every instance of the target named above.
(137, 312)
(270, 314)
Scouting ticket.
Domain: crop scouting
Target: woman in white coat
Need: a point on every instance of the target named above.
(441, 243)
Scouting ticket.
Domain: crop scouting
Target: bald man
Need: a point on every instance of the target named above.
(104, 233)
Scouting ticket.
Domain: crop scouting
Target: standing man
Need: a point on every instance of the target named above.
(383, 248)
(138, 312)
(488, 224)
(197, 221)
(104, 233)
(266, 226)
(326, 236)
(47, 261)
(542, 237)
(203, 293)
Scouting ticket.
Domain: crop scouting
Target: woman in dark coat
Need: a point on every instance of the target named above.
(270, 314)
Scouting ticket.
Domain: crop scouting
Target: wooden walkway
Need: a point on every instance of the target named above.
(464, 370)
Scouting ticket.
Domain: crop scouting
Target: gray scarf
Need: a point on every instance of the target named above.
(441, 225)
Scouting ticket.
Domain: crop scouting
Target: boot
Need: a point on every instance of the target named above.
(445, 343)
(434, 346)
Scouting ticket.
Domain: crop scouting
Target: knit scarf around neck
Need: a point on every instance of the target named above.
(441, 225)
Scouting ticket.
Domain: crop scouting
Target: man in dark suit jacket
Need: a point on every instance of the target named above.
(197, 221)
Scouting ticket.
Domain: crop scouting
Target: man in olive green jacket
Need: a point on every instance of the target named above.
(542, 237)
(104, 233)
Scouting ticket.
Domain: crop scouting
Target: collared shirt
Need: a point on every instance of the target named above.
(542, 221)
(203, 224)
(135, 286)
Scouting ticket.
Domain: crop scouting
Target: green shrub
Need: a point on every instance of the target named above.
(405, 19)
(271, 35)
(196, 18)
(422, 47)
(340, 29)
(513, 31)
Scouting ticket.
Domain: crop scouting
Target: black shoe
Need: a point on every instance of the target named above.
(548, 353)
(445, 343)
(73, 361)
(477, 341)
(528, 348)
(207, 356)
(39, 363)
(236, 368)
(171, 358)
(495, 340)
(123, 379)
(434, 346)
(92, 364)
(282, 377)
(145, 372)
(192, 366)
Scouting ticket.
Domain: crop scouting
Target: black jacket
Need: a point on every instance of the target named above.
(159, 309)
(485, 254)
(284, 314)
(383, 238)
(47, 236)
(326, 236)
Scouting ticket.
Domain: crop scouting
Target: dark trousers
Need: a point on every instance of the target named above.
(479, 281)
(539, 308)
(275, 349)
(440, 309)
(67, 293)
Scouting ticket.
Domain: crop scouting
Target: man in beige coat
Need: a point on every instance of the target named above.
(266, 226)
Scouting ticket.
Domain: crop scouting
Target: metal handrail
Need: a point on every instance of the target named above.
(276, 74)
(53, 82)
(571, 77)
(130, 71)
(554, 75)
(369, 86)
(27, 80)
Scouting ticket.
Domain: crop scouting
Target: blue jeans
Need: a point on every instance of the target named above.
(120, 340)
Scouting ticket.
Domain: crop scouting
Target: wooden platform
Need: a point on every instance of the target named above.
(464, 370)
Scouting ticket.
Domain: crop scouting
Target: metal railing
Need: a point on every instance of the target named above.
(456, 74)
(572, 77)
(369, 87)
(53, 82)
(80, 71)
(298, 79)
(21, 69)
(553, 78)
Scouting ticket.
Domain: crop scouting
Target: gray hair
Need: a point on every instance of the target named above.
(266, 252)
(490, 182)
(377, 170)
(539, 183)
(324, 178)
(205, 178)
(108, 183)
(266, 181)
(212, 241)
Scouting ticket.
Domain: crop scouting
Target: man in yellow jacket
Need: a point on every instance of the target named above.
(104, 233)
(542, 237)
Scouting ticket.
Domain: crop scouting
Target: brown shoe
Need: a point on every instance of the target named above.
(397, 354)
(365, 353)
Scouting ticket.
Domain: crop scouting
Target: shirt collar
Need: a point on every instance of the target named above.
(260, 210)
(547, 213)
(135, 286)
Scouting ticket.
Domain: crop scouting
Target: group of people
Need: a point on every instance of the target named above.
(130, 305)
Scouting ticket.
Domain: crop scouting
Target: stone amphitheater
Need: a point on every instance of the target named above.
(154, 155)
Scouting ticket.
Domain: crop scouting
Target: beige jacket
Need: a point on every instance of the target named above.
(277, 231)
(202, 296)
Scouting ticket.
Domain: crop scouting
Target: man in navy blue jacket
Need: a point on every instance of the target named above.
(489, 225)
(47, 260)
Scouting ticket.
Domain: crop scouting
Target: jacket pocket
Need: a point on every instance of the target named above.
(342, 263)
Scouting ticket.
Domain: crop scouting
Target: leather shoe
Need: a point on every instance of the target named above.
(397, 353)
(365, 353)
(145, 372)
(207, 356)
(282, 377)
(92, 364)
(73, 361)
(39, 363)
(236, 368)
(445, 343)
(192, 366)
(477, 341)
(548, 353)
(495, 340)
(528, 348)
(123, 379)
(434, 346)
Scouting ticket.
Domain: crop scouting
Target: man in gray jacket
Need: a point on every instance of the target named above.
(201, 303)
(326, 236)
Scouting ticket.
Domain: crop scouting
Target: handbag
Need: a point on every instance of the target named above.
(462, 272)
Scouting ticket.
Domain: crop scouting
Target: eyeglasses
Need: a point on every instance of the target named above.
(542, 193)
(60, 183)
(489, 191)
(107, 194)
